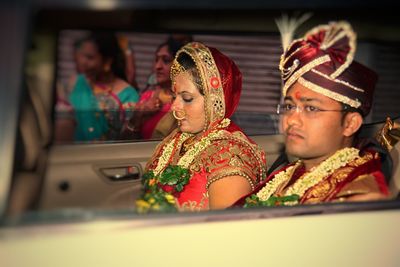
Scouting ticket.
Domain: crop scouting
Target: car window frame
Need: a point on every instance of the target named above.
(13, 80)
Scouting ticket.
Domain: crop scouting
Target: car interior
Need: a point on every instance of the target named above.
(49, 176)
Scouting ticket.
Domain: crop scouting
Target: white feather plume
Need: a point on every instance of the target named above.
(288, 25)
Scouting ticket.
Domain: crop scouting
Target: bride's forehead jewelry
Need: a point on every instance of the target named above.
(176, 69)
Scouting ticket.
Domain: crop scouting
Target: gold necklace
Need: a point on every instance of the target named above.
(187, 144)
(167, 151)
(192, 151)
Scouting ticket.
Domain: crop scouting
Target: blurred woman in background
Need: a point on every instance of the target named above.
(101, 99)
(153, 119)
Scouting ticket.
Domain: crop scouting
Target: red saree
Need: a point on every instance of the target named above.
(161, 123)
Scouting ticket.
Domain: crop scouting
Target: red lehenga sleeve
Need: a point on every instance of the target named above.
(227, 156)
(233, 155)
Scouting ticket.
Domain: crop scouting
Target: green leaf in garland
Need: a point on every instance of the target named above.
(154, 198)
(254, 201)
(173, 174)
(148, 175)
(179, 187)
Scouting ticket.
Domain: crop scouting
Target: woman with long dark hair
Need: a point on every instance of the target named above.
(101, 98)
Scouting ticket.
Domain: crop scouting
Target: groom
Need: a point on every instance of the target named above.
(326, 96)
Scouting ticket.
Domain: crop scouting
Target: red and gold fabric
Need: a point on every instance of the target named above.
(346, 174)
(223, 149)
(323, 61)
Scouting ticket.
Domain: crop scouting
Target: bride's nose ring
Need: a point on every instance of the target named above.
(179, 115)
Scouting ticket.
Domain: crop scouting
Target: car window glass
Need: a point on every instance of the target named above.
(261, 81)
(51, 65)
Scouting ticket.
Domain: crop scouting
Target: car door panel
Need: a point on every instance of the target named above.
(99, 175)
(95, 175)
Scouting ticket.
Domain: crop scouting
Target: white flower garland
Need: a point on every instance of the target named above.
(340, 159)
(190, 155)
(167, 151)
(266, 192)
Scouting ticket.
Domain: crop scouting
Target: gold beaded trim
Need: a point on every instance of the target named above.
(334, 32)
(284, 59)
(232, 173)
(340, 159)
(328, 93)
(214, 100)
(330, 39)
(189, 156)
(355, 88)
(289, 71)
(204, 142)
(304, 69)
(239, 137)
(176, 69)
